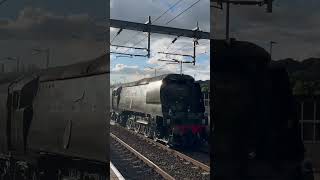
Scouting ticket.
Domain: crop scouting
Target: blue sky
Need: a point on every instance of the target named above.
(130, 69)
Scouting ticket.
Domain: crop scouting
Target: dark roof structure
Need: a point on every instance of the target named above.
(99, 65)
(9, 77)
(238, 55)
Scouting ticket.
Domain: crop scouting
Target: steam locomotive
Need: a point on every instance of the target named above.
(52, 122)
(255, 133)
(168, 108)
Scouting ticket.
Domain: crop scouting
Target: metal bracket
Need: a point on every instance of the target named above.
(196, 33)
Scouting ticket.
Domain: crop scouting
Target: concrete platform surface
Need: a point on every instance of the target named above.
(114, 173)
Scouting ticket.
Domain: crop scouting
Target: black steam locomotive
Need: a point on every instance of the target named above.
(256, 133)
(168, 108)
(52, 122)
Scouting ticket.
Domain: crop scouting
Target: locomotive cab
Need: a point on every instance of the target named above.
(179, 102)
(183, 108)
(21, 95)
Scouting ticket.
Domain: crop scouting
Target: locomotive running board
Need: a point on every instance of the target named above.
(143, 122)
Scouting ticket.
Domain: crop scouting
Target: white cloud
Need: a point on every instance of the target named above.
(111, 3)
(71, 38)
(293, 24)
(123, 67)
(112, 29)
(133, 11)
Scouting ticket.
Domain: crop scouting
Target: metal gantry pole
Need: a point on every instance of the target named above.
(227, 20)
(48, 57)
(149, 35)
(301, 120)
(47, 51)
(194, 51)
(17, 59)
(270, 50)
(314, 120)
(18, 63)
(271, 44)
(2, 67)
(150, 28)
(158, 29)
(239, 2)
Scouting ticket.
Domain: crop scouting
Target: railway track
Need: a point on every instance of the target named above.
(203, 157)
(197, 156)
(174, 163)
(132, 164)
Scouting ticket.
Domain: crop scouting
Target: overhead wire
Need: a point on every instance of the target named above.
(136, 34)
(136, 43)
(178, 16)
(183, 11)
(172, 6)
(119, 31)
(114, 37)
(165, 23)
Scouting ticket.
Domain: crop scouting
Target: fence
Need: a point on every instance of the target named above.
(308, 111)
(206, 99)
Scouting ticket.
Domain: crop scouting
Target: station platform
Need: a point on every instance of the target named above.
(114, 173)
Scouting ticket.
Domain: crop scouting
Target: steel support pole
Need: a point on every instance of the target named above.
(149, 35)
(194, 52)
(227, 20)
(48, 57)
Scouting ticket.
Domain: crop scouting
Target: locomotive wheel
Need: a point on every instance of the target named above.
(166, 139)
(122, 120)
(155, 136)
(34, 175)
(147, 131)
(4, 170)
(129, 124)
(137, 128)
(19, 171)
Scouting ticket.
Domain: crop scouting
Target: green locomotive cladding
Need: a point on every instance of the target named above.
(168, 108)
(52, 122)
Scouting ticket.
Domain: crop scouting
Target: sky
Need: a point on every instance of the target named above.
(73, 31)
(294, 25)
(126, 69)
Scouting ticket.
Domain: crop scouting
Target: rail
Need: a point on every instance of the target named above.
(144, 159)
(176, 153)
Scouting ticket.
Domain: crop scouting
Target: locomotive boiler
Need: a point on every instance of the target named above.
(256, 133)
(53, 122)
(168, 108)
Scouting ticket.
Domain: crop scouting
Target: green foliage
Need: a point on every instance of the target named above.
(304, 75)
(205, 85)
(306, 87)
